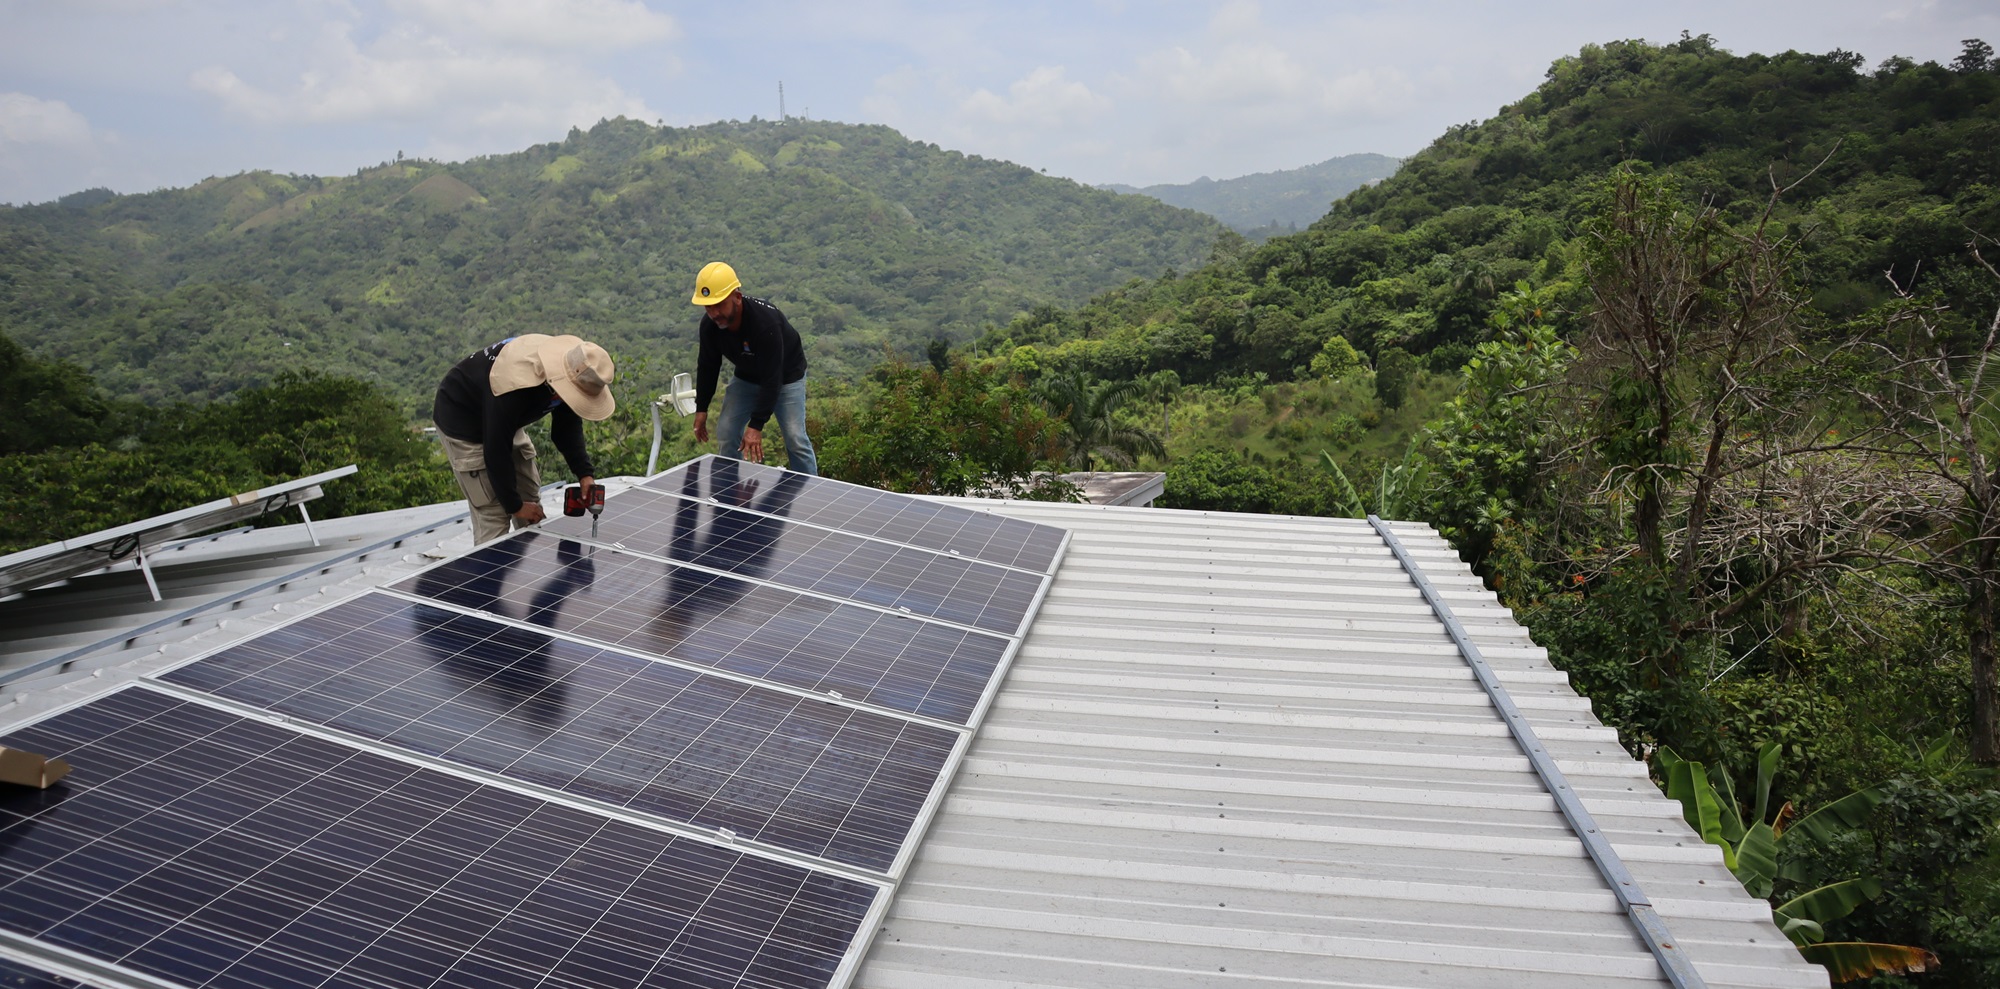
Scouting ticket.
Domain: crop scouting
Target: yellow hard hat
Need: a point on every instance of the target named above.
(714, 283)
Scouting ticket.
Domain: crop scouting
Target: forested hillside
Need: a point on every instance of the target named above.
(866, 239)
(1273, 202)
(1417, 262)
(1696, 358)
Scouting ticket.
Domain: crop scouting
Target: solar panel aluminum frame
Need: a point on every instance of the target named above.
(1020, 628)
(1054, 561)
(919, 822)
(968, 731)
(64, 558)
(69, 964)
(1013, 640)
(871, 921)
(827, 696)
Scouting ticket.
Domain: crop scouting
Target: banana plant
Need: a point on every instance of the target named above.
(1752, 844)
(1396, 486)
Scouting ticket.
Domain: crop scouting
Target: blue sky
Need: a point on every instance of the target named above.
(143, 94)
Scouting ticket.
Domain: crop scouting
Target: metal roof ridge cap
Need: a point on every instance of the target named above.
(1674, 962)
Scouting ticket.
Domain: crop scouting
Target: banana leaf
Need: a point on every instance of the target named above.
(1728, 810)
(1849, 960)
(1830, 902)
(1850, 811)
(1767, 773)
(1687, 783)
(1757, 859)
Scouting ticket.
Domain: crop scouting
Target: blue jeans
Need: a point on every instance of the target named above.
(791, 416)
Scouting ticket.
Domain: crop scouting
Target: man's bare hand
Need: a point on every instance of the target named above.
(530, 513)
(753, 445)
(701, 427)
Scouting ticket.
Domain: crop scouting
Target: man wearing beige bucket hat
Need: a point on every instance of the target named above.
(486, 401)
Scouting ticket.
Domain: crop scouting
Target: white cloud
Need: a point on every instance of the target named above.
(1043, 99)
(464, 91)
(25, 119)
(1263, 78)
(47, 148)
(547, 24)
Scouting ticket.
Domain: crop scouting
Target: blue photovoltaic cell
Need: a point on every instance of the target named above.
(804, 774)
(211, 850)
(723, 622)
(866, 511)
(769, 548)
(15, 975)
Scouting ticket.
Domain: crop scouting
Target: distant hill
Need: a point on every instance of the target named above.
(1273, 202)
(866, 239)
(1896, 169)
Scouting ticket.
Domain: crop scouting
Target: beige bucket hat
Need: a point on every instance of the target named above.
(578, 370)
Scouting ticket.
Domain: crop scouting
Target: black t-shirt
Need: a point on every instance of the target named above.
(466, 409)
(763, 347)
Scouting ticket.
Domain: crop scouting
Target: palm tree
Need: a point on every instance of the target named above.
(1085, 409)
(1161, 387)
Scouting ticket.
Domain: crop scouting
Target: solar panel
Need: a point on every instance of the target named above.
(31, 568)
(723, 622)
(867, 511)
(767, 547)
(208, 849)
(800, 773)
(698, 761)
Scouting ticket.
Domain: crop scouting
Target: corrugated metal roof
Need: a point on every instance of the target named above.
(1233, 750)
(1241, 750)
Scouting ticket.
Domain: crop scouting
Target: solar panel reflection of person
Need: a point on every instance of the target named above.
(740, 542)
(520, 676)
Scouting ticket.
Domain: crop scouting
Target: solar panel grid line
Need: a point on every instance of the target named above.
(472, 774)
(811, 590)
(423, 795)
(642, 553)
(325, 633)
(842, 700)
(721, 621)
(984, 551)
(958, 530)
(921, 827)
(774, 550)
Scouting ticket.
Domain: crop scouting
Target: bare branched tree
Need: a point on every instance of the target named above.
(1938, 403)
(1702, 422)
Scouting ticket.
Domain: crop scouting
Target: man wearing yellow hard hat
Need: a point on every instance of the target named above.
(770, 372)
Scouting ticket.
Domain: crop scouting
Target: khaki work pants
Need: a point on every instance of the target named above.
(490, 520)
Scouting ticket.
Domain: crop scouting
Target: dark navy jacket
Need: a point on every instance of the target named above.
(763, 347)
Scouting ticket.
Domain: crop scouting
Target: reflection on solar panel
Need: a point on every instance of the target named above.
(868, 512)
(800, 773)
(212, 850)
(768, 547)
(15, 975)
(552, 762)
(727, 623)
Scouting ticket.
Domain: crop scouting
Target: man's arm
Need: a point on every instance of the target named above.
(770, 368)
(707, 367)
(498, 443)
(566, 428)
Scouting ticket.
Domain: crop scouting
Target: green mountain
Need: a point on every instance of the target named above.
(866, 239)
(1893, 170)
(1273, 202)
